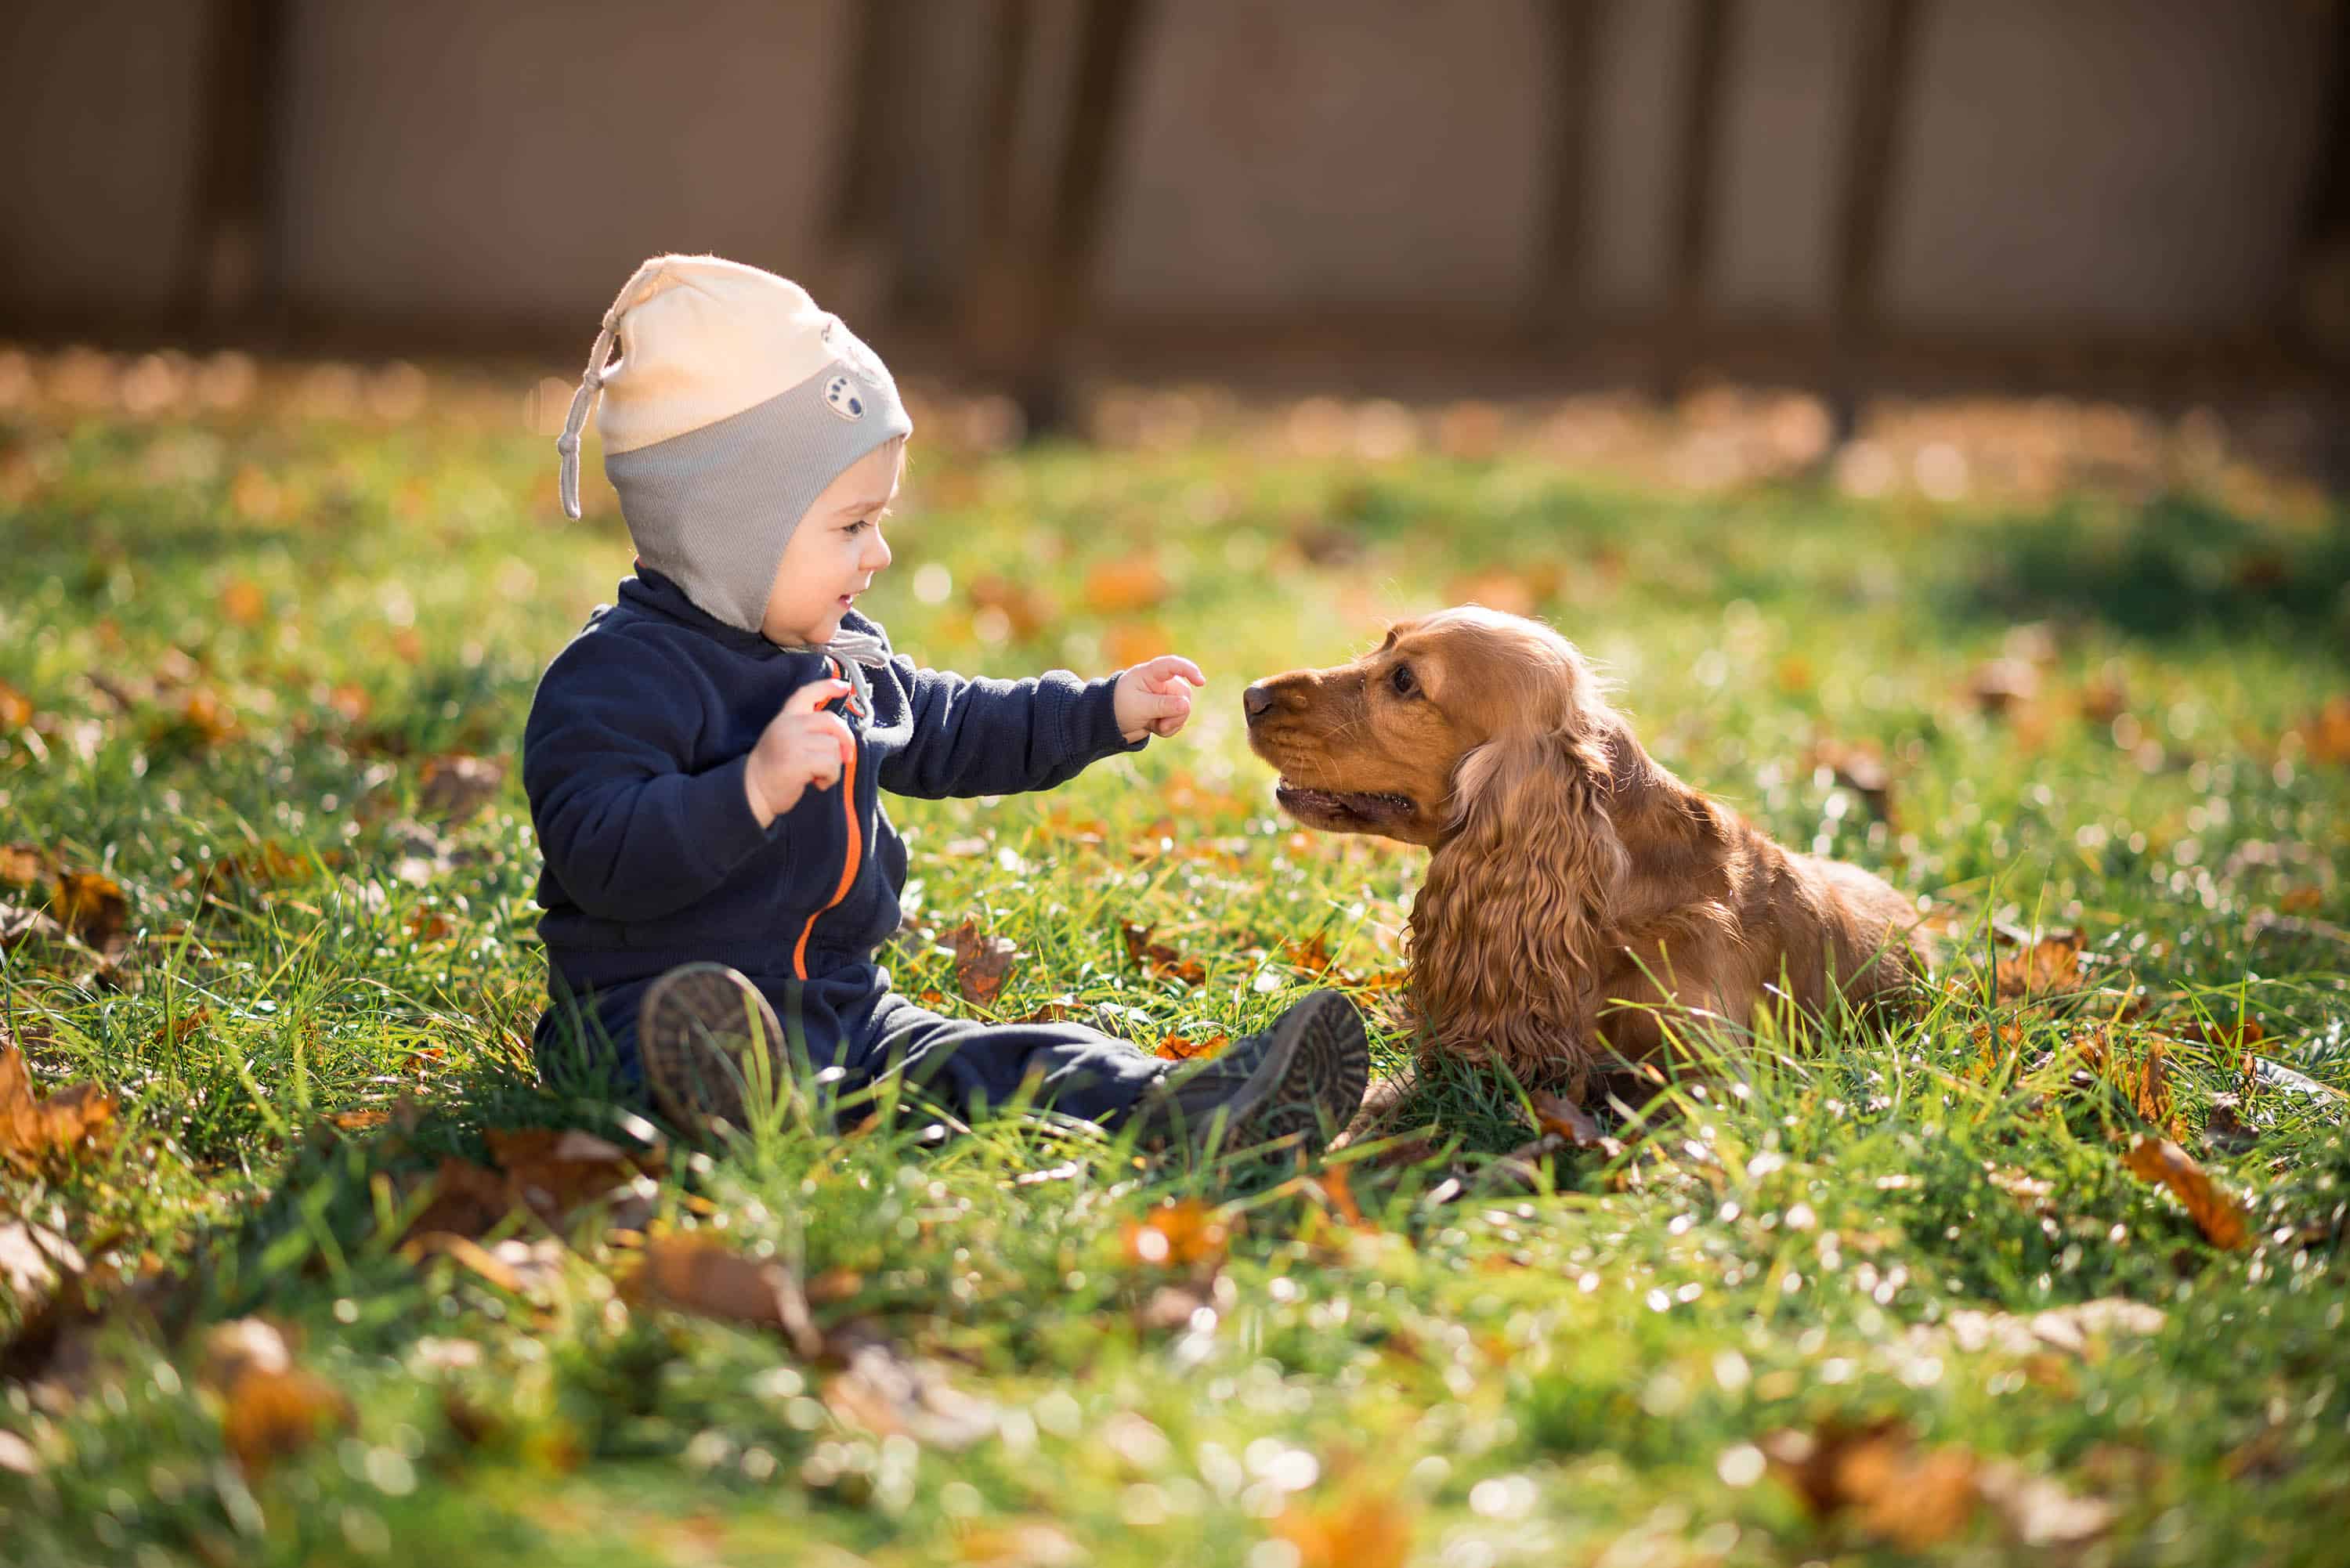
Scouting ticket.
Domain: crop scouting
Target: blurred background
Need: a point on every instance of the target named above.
(2146, 200)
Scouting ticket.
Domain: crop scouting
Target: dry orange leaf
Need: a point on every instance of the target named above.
(91, 907)
(1124, 587)
(1368, 1529)
(1557, 1113)
(1312, 957)
(15, 707)
(23, 866)
(2326, 732)
(1158, 957)
(243, 602)
(273, 1415)
(1130, 642)
(982, 963)
(2163, 1162)
(1178, 1234)
(1183, 1048)
(1026, 610)
(2051, 964)
(698, 1275)
(1876, 1476)
(33, 1130)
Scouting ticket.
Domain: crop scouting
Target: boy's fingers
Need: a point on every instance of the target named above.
(815, 695)
(1176, 664)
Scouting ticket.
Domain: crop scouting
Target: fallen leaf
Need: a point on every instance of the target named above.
(243, 602)
(2163, 1162)
(1124, 586)
(2050, 963)
(2244, 1034)
(271, 1415)
(1557, 1113)
(1027, 611)
(24, 866)
(706, 1277)
(15, 707)
(1130, 642)
(1158, 957)
(2325, 734)
(91, 907)
(982, 963)
(1179, 1233)
(1369, 1529)
(1183, 1048)
(1312, 957)
(455, 786)
(1876, 1476)
(1339, 1188)
(34, 1130)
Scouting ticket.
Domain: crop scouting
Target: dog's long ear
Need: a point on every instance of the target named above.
(1510, 930)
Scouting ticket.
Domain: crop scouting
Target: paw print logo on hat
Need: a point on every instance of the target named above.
(840, 395)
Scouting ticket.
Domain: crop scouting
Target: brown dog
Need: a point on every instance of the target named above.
(1577, 890)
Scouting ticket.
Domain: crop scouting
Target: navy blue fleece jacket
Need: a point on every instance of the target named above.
(633, 759)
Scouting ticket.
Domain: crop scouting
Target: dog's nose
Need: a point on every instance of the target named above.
(1257, 700)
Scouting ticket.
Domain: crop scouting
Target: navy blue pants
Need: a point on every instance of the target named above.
(848, 1018)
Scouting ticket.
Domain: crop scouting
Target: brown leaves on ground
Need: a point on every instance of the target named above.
(456, 787)
(696, 1274)
(1560, 1125)
(35, 1132)
(2325, 734)
(2034, 969)
(1879, 1482)
(551, 1173)
(1184, 1048)
(1157, 959)
(271, 1408)
(982, 963)
(1179, 1234)
(2164, 1163)
(1367, 1528)
(1124, 587)
(878, 1388)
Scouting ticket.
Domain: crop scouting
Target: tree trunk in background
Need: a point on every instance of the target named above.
(232, 281)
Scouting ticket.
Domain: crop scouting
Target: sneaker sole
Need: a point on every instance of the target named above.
(1322, 1042)
(693, 1028)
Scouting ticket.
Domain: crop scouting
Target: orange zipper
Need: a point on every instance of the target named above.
(856, 853)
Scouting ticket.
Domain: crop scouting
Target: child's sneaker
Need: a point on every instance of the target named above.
(1304, 1077)
(695, 1028)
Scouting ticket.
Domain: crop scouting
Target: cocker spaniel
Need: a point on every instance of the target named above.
(1579, 894)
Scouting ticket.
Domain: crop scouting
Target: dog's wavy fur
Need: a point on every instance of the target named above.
(1578, 893)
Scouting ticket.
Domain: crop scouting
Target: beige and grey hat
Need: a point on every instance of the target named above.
(733, 402)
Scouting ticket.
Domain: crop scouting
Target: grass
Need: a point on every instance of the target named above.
(247, 633)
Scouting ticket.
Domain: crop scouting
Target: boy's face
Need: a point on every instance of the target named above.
(836, 552)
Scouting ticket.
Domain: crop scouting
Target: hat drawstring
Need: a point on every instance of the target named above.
(590, 385)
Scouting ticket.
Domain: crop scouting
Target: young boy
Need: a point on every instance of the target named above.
(704, 760)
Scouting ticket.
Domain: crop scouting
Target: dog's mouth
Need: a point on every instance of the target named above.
(1343, 808)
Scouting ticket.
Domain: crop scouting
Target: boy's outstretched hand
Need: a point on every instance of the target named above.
(1151, 697)
(802, 745)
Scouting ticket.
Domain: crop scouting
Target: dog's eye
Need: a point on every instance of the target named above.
(1402, 681)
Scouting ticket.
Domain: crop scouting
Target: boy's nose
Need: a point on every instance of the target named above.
(1257, 700)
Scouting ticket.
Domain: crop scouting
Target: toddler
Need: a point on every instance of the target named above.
(705, 759)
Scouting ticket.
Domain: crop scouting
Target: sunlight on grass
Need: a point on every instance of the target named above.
(268, 888)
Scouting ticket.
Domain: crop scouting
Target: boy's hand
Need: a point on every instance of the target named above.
(1151, 699)
(802, 745)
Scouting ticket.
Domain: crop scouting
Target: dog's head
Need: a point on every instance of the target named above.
(1395, 741)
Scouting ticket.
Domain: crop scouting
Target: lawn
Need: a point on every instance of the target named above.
(300, 1266)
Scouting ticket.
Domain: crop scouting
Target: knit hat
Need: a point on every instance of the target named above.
(733, 403)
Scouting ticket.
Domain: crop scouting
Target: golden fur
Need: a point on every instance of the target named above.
(1577, 891)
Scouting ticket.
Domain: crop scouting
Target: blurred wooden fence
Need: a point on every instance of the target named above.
(1484, 190)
